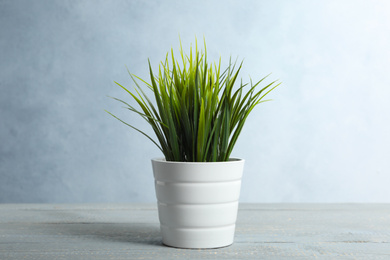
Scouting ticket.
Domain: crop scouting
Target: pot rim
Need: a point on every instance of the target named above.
(231, 160)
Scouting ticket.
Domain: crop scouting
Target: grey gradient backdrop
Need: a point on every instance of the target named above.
(324, 138)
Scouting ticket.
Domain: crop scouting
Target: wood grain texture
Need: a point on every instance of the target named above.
(131, 231)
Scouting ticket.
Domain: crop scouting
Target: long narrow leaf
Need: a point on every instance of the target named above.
(196, 111)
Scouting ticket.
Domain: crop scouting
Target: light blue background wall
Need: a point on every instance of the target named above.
(324, 138)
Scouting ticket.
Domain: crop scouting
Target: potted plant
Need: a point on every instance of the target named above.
(197, 113)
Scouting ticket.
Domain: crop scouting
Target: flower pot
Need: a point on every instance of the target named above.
(197, 202)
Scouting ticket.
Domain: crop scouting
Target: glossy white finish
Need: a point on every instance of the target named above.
(197, 202)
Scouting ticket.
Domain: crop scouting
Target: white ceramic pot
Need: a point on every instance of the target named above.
(197, 202)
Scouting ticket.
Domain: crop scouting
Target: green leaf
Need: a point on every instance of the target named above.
(151, 139)
(196, 111)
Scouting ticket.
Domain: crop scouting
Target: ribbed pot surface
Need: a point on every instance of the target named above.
(197, 202)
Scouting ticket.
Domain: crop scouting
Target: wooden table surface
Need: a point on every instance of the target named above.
(131, 231)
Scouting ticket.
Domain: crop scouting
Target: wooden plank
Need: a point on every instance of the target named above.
(131, 231)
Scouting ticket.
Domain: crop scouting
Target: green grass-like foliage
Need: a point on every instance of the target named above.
(197, 113)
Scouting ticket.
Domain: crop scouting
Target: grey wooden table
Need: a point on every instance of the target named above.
(131, 231)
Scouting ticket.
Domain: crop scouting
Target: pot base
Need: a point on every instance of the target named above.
(196, 238)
